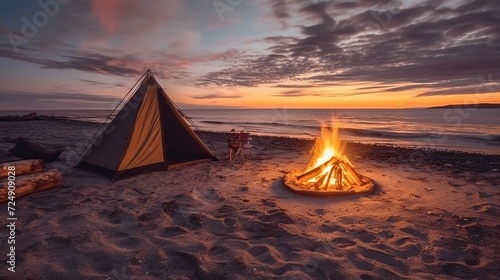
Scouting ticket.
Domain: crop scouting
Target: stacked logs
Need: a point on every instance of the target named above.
(345, 176)
(28, 177)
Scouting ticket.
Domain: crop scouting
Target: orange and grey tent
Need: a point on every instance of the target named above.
(148, 134)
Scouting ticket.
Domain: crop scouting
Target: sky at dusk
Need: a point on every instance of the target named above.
(86, 54)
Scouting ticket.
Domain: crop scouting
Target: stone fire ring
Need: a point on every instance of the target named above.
(290, 180)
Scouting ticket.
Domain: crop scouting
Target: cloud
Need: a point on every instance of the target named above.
(117, 37)
(134, 17)
(107, 13)
(480, 88)
(97, 83)
(306, 85)
(372, 87)
(300, 93)
(280, 11)
(166, 65)
(84, 61)
(416, 45)
(425, 45)
(216, 96)
(13, 100)
(357, 4)
(294, 86)
(291, 93)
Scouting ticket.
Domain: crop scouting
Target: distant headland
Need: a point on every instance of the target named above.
(479, 106)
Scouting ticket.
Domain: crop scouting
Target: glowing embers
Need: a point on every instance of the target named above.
(329, 170)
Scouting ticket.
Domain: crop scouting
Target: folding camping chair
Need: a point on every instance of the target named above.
(238, 143)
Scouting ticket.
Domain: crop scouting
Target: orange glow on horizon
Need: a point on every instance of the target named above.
(341, 96)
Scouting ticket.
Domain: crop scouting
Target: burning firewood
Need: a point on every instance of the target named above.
(338, 176)
(352, 174)
(317, 170)
(329, 170)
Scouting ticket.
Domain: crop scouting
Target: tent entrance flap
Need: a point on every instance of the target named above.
(145, 145)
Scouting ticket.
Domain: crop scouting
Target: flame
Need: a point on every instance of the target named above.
(328, 145)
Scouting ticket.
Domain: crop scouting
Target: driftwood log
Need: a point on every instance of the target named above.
(32, 183)
(22, 167)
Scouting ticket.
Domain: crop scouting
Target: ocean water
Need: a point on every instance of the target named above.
(460, 129)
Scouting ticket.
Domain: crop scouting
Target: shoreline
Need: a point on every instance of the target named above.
(453, 160)
(388, 145)
(483, 144)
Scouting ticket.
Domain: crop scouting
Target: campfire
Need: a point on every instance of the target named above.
(329, 170)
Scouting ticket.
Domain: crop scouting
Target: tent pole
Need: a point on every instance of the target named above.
(184, 115)
(109, 116)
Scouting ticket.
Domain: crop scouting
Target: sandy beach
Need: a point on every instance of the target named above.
(433, 215)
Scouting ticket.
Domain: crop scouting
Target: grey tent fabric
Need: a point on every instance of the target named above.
(148, 134)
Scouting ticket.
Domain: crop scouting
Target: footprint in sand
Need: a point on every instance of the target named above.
(251, 212)
(343, 242)
(185, 261)
(477, 233)
(393, 219)
(484, 194)
(276, 216)
(218, 251)
(408, 248)
(326, 227)
(150, 216)
(458, 270)
(58, 242)
(31, 217)
(403, 241)
(32, 247)
(349, 220)
(220, 255)
(368, 277)
(169, 207)
(264, 230)
(129, 242)
(100, 261)
(55, 207)
(268, 202)
(486, 208)
(472, 257)
(111, 216)
(73, 220)
(428, 258)
(183, 216)
(225, 210)
(320, 211)
(359, 262)
(217, 227)
(195, 220)
(415, 232)
(118, 235)
(380, 256)
(365, 236)
(263, 254)
(230, 222)
(386, 234)
(125, 240)
(173, 231)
